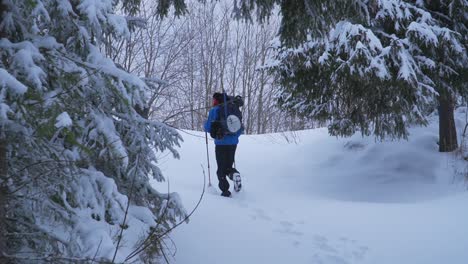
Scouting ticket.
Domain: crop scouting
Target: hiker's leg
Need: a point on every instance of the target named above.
(231, 158)
(222, 159)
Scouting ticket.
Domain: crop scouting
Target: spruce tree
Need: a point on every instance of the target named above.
(375, 66)
(74, 152)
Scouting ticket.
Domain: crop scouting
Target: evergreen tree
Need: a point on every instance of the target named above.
(380, 67)
(373, 66)
(74, 152)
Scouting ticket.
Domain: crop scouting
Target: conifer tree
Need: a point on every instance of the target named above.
(75, 156)
(372, 66)
(375, 66)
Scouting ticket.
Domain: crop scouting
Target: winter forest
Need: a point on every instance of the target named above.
(353, 147)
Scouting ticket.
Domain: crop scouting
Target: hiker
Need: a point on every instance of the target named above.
(224, 108)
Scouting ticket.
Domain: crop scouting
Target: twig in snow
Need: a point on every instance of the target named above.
(97, 251)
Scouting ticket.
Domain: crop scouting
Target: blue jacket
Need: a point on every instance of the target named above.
(228, 139)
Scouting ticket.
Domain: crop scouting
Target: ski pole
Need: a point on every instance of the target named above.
(208, 159)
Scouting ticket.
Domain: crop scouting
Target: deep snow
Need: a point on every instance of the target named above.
(319, 199)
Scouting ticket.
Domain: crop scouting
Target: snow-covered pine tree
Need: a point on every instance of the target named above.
(374, 66)
(73, 150)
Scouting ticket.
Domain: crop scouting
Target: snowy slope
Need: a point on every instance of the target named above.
(324, 200)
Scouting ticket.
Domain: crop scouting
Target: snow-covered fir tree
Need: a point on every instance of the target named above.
(374, 66)
(75, 156)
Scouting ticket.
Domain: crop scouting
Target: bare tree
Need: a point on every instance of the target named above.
(186, 59)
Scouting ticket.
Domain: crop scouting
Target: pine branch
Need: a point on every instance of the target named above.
(135, 253)
(49, 258)
(130, 196)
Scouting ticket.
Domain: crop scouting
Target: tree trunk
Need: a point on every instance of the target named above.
(3, 195)
(447, 129)
(3, 9)
(3, 165)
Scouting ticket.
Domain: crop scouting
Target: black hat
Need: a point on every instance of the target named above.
(219, 97)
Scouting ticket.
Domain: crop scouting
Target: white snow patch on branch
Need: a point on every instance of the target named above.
(63, 120)
(424, 32)
(7, 80)
(106, 127)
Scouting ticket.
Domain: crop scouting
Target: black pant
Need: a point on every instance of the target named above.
(225, 159)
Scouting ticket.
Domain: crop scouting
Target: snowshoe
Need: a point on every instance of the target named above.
(236, 178)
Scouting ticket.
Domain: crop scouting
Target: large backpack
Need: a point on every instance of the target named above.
(229, 117)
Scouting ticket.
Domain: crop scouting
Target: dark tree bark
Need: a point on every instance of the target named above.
(3, 195)
(3, 9)
(3, 165)
(447, 130)
(143, 112)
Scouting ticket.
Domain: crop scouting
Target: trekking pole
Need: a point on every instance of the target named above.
(208, 159)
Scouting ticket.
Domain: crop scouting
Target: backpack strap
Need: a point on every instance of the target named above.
(225, 106)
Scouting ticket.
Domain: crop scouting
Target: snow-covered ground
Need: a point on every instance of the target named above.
(323, 200)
